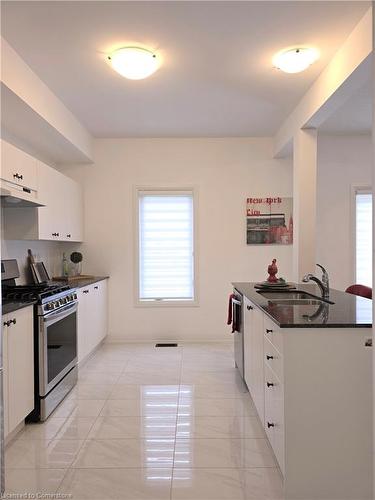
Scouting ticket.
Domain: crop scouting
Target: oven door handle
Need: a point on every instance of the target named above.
(237, 302)
(61, 313)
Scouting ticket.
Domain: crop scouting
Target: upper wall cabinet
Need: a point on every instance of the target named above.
(19, 186)
(61, 219)
(18, 167)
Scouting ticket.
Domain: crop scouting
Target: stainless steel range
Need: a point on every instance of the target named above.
(55, 341)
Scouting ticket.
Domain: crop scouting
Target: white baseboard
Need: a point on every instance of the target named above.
(120, 339)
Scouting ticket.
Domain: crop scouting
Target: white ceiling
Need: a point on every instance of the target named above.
(355, 116)
(216, 80)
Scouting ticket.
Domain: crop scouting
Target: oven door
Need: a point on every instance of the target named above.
(57, 346)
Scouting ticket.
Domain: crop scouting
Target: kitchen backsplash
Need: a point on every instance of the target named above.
(50, 252)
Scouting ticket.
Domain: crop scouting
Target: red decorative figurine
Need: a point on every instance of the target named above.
(272, 271)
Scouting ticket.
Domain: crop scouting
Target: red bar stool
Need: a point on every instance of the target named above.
(361, 290)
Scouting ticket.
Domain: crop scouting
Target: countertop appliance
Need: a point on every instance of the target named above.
(237, 314)
(55, 340)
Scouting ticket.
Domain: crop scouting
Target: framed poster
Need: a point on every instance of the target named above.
(269, 221)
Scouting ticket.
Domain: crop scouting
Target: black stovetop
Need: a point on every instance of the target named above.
(32, 292)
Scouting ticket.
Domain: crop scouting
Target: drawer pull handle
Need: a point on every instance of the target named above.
(269, 331)
(96, 287)
(269, 357)
(250, 308)
(6, 323)
(14, 321)
(270, 384)
(269, 424)
(368, 343)
(85, 291)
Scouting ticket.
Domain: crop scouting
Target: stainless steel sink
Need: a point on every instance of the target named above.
(297, 302)
(288, 295)
(293, 297)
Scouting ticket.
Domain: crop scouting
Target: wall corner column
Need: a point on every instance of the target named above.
(304, 202)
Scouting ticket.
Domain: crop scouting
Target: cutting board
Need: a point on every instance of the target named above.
(73, 278)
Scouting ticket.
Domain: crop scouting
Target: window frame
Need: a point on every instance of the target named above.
(357, 189)
(166, 190)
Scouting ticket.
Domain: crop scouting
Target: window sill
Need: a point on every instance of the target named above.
(166, 303)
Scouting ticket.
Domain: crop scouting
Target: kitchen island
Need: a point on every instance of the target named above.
(307, 364)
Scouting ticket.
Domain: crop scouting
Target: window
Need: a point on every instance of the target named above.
(166, 246)
(363, 228)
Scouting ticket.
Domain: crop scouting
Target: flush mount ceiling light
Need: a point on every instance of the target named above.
(295, 60)
(134, 63)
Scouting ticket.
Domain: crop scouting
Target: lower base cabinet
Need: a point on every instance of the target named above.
(18, 367)
(317, 409)
(92, 317)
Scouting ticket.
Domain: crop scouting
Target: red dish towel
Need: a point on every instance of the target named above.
(231, 320)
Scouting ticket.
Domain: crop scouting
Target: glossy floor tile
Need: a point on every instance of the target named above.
(226, 484)
(223, 453)
(215, 407)
(152, 426)
(111, 484)
(40, 454)
(33, 481)
(189, 427)
(125, 453)
(146, 423)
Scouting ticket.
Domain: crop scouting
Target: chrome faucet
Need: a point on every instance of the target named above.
(323, 284)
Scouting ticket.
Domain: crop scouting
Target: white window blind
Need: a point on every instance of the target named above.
(166, 246)
(364, 238)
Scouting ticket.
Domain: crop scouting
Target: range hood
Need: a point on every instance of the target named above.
(13, 196)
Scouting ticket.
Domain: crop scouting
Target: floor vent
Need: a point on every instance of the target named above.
(166, 345)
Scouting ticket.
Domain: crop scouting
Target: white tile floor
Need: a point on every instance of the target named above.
(149, 423)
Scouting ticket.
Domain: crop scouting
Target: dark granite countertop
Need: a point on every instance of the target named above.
(86, 282)
(9, 306)
(347, 311)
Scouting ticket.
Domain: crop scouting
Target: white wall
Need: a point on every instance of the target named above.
(343, 162)
(225, 171)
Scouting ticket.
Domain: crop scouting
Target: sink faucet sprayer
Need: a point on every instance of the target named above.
(323, 284)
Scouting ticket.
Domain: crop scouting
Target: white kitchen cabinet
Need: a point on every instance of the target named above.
(274, 414)
(61, 219)
(317, 405)
(92, 317)
(100, 295)
(253, 355)
(18, 367)
(18, 167)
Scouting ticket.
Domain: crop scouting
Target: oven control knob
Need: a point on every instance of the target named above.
(74, 296)
(49, 306)
(56, 303)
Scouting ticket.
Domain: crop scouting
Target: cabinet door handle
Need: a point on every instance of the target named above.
(270, 384)
(269, 357)
(68, 235)
(6, 323)
(368, 343)
(85, 291)
(250, 308)
(96, 287)
(269, 424)
(21, 177)
(14, 321)
(269, 331)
